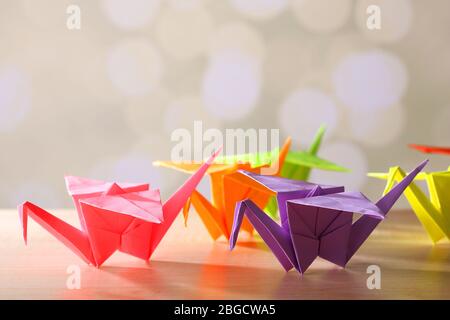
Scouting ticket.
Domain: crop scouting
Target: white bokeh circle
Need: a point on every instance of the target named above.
(322, 16)
(131, 14)
(15, 97)
(370, 80)
(348, 155)
(231, 85)
(184, 33)
(238, 36)
(379, 127)
(259, 9)
(135, 67)
(396, 19)
(304, 111)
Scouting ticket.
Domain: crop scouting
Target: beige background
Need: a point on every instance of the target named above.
(102, 101)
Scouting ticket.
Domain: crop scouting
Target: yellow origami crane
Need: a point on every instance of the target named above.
(433, 213)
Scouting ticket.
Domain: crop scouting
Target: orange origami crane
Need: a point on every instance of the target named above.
(114, 216)
(431, 149)
(226, 192)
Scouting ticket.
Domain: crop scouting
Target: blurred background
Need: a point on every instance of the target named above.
(102, 101)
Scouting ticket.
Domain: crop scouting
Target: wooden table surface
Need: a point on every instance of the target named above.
(189, 265)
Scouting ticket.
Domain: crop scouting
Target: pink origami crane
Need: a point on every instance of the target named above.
(316, 220)
(114, 216)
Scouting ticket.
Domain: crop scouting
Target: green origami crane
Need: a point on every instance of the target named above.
(297, 164)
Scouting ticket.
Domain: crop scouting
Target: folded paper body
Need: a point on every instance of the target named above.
(218, 215)
(433, 213)
(316, 220)
(114, 216)
(228, 186)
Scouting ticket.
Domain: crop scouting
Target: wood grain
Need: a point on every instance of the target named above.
(188, 265)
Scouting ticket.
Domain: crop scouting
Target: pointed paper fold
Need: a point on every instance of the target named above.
(316, 220)
(84, 186)
(226, 189)
(227, 186)
(354, 202)
(278, 184)
(114, 216)
(431, 149)
(433, 213)
(145, 206)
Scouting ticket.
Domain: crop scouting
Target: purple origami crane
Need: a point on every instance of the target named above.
(316, 220)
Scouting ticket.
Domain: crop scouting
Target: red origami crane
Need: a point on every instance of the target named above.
(431, 149)
(114, 216)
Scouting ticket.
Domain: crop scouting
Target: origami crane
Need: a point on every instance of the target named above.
(297, 165)
(217, 215)
(431, 149)
(433, 213)
(316, 220)
(114, 216)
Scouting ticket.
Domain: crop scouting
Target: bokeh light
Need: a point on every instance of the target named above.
(135, 67)
(348, 155)
(304, 110)
(396, 19)
(322, 16)
(138, 69)
(131, 14)
(15, 97)
(378, 127)
(238, 36)
(259, 9)
(231, 85)
(369, 80)
(184, 33)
